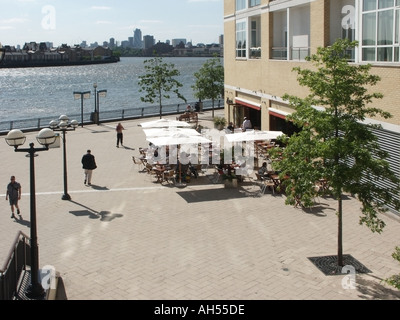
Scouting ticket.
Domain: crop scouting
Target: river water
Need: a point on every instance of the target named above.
(39, 92)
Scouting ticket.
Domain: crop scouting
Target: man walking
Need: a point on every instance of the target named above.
(13, 195)
(89, 164)
(120, 135)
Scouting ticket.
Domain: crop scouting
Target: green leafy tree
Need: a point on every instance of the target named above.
(395, 280)
(210, 81)
(333, 144)
(159, 82)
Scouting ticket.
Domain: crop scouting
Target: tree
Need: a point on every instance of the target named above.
(159, 81)
(395, 279)
(209, 81)
(333, 144)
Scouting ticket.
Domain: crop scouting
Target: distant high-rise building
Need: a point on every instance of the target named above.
(148, 41)
(130, 39)
(137, 39)
(221, 39)
(177, 42)
(112, 43)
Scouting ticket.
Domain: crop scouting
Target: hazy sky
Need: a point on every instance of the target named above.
(73, 21)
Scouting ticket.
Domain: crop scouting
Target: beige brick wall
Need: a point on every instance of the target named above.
(275, 78)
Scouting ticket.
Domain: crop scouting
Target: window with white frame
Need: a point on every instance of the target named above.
(244, 4)
(380, 30)
(241, 39)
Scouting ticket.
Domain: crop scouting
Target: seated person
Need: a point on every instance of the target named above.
(231, 127)
(263, 170)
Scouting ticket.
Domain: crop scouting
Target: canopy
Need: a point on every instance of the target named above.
(178, 139)
(164, 123)
(162, 132)
(253, 136)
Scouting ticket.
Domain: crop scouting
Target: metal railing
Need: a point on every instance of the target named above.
(296, 53)
(15, 264)
(36, 124)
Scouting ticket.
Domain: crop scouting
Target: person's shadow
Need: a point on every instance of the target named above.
(23, 222)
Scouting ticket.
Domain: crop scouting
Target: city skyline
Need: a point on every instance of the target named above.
(97, 21)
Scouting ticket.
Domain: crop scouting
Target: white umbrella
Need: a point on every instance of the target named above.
(164, 123)
(178, 139)
(162, 132)
(253, 136)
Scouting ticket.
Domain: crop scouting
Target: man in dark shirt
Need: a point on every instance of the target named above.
(13, 195)
(88, 164)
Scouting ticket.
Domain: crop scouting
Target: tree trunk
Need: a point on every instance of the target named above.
(213, 108)
(340, 230)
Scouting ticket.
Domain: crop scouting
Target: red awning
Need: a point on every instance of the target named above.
(248, 104)
(277, 115)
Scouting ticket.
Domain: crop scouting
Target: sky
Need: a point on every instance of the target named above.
(74, 21)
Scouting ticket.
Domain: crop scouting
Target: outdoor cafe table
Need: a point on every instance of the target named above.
(159, 173)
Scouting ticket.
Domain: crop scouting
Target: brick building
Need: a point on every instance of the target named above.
(266, 39)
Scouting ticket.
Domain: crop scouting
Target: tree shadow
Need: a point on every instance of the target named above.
(372, 290)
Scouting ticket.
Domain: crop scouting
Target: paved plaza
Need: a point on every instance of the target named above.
(129, 238)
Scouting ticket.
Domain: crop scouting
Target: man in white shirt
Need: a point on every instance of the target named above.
(246, 124)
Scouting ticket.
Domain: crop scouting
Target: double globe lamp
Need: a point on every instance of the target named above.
(16, 139)
(64, 125)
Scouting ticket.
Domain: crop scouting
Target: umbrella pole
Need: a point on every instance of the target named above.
(180, 184)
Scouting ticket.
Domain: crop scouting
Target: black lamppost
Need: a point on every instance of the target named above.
(16, 138)
(97, 95)
(103, 94)
(82, 95)
(63, 126)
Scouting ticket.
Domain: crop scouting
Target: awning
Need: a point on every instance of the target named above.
(278, 113)
(248, 103)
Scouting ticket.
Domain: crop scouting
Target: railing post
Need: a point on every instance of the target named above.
(142, 112)
(123, 114)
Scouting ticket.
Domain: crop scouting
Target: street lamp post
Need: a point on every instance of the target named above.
(82, 95)
(63, 126)
(103, 94)
(97, 95)
(16, 138)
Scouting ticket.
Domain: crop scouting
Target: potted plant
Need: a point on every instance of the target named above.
(230, 179)
(219, 123)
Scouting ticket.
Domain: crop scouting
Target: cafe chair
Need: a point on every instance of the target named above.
(138, 163)
(169, 176)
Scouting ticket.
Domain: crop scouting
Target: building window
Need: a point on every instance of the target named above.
(255, 38)
(254, 3)
(380, 30)
(241, 39)
(241, 5)
(245, 4)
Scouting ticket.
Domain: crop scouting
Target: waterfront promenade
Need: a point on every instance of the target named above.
(129, 238)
